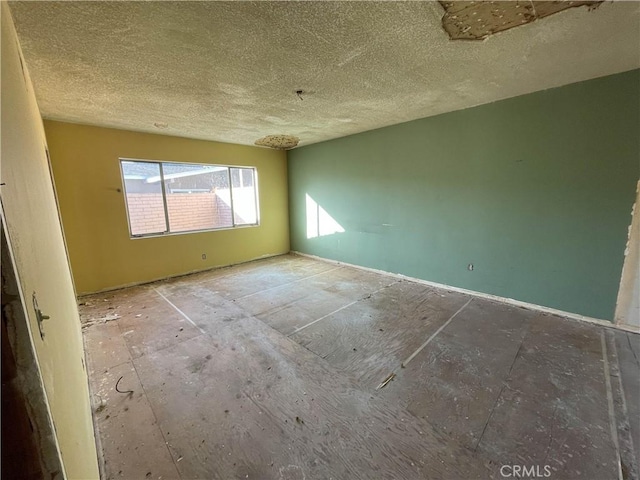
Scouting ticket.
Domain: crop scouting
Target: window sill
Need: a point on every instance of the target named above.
(190, 232)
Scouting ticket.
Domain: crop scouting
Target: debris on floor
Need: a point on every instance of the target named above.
(130, 392)
(497, 383)
(384, 383)
(95, 321)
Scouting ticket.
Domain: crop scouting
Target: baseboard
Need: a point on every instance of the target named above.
(505, 300)
(178, 275)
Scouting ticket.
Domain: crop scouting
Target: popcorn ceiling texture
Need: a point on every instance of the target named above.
(229, 71)
(476, 20)
(281, 142)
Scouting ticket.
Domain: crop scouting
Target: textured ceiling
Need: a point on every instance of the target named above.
(471, 20)
(231, 71)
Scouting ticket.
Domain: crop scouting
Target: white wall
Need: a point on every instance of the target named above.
(35, 235)
(628, 306)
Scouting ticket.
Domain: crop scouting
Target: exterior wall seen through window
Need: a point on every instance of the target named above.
(165, 198)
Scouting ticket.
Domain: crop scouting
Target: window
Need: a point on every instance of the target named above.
(164, 197)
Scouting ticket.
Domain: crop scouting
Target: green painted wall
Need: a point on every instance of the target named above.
(536, 191)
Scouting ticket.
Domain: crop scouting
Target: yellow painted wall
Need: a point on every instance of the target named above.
(86, 171)
(35, 235)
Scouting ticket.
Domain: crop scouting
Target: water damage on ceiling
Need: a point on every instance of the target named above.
(476, 20)
(279, 142)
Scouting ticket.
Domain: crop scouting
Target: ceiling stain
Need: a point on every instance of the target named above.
(476, 20)
(279, 142)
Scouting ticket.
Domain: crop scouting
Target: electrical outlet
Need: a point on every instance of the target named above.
(204, 256)
(470, 267)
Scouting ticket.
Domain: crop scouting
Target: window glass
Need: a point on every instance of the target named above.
(198, 197)
(167, 197)
(244, 196)
(144, 199)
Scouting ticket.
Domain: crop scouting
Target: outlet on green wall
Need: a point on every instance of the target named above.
(535, 191)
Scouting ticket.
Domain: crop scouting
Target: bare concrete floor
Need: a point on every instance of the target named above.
(274, 370)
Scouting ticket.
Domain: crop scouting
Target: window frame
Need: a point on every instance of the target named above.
(168, 231)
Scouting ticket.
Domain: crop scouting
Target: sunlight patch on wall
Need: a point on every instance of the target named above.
(319, 222)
